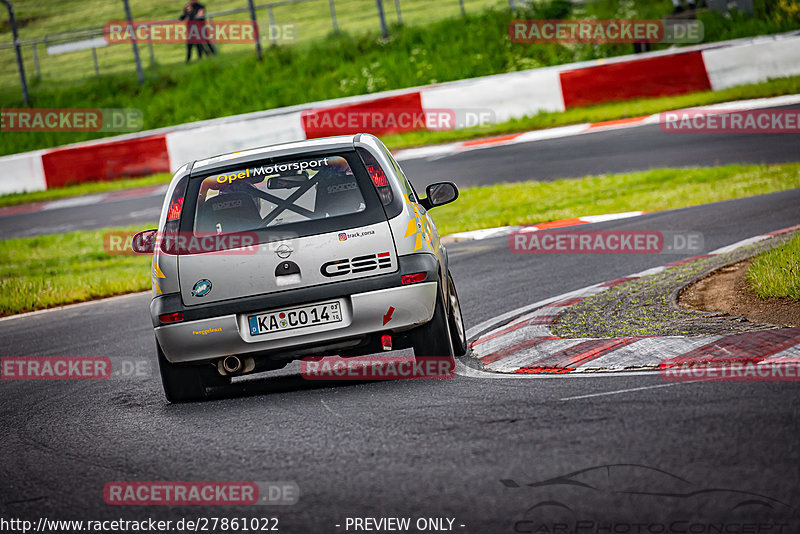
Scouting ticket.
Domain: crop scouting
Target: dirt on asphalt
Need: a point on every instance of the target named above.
(726, 291)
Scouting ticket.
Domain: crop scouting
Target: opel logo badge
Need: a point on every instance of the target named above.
(284, 251)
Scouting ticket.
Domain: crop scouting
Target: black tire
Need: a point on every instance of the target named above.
(433, 338)
(187, 383)
(457, 333)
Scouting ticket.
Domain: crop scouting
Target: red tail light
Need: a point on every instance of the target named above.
(171, 317)
(173, 217)
(175, 208)
(413, 278)
(377, 175)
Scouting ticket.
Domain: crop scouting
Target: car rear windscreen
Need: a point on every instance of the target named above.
(276, 194)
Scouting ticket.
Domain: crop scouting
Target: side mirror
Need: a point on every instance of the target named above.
(439, 194)
(144, 242)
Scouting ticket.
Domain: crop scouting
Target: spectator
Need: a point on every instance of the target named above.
(678, 7)
(195, 15)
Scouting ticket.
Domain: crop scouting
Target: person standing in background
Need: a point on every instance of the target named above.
(678, 7)
(194, 13)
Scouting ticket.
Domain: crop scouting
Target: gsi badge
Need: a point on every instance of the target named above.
(359, 264)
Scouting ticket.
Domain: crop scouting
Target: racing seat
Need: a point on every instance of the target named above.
(338, 194)
(230, 211)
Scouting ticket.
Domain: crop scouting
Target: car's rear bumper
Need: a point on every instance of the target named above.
(363, 314)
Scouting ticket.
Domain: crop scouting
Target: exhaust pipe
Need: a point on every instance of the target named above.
(232, 364)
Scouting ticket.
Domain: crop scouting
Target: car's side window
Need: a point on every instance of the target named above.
(410, 191)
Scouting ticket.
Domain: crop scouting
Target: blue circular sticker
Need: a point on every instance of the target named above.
(201, 288)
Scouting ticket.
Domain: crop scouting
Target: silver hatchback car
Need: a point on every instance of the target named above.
(312, 248)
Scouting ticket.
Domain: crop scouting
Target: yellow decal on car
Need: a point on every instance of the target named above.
(418, 227)
(155, 275)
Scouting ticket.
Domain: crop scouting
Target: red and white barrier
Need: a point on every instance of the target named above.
(222, 137)
(508, 96)
(22, 172)
(643, 78)
(105, 161)
(756, 62)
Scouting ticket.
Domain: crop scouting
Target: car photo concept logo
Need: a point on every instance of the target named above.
(201, 288)
(359, 264)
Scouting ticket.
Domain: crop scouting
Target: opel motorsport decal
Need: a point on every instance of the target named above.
(268, 170)
(359, 264)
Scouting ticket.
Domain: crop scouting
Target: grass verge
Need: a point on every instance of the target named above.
(87, 188)
(46, 271)
(52, 270)
(776, 273)
(653, 190)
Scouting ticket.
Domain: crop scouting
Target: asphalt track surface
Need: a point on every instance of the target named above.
(463, 448)
(612, 151)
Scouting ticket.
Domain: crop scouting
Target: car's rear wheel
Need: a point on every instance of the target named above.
(456, 321)
(433, 338)
(187, 383)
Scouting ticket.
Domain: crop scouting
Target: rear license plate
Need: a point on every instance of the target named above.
(289, 319)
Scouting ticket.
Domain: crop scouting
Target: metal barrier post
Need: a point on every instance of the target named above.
(333, 16)
(150, 45)
(272, 26)
(128, 16)
(252, 9)
(382, 17)
(94, 58)
(36, 61)
(20, 66)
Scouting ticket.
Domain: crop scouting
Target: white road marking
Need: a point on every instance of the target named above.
(328, 408)
(74, 202)
(75, 305)
(738, 244)
(610, 216)
(59, 229)
(617, 392)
